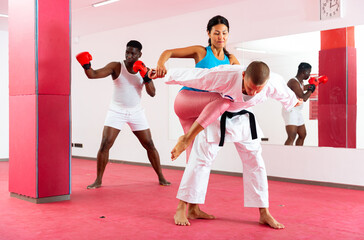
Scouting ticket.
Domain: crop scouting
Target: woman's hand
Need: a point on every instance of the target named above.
(161, 70)
(152, 74)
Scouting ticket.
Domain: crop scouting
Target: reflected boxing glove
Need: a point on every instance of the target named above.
(84, 59)
(313, 81)
(323, 79)
(311, 88)
(140, 67)
(317, 80)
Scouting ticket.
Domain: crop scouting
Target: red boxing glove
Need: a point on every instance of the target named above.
(314, 81)
(84, 59)
(140, 67)
(317, 80)
(323, 79)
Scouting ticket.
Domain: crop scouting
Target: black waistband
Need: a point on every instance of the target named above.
(253, 128)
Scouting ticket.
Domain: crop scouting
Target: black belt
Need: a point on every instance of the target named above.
(253, 128)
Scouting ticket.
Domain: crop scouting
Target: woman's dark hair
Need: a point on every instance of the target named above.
(215, 21)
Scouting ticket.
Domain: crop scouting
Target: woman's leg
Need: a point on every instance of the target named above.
(196, 110)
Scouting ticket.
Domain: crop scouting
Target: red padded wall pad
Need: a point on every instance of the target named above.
(53, 47)
(332, 98)
(334, 91)
(338, 38)
(53, 145)
(337, 98)
(39, 65)
(22, 145)
(22, 47)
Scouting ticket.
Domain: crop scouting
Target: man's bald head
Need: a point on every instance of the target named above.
(258, 72)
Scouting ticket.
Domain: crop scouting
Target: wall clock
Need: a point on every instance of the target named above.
(330, 9)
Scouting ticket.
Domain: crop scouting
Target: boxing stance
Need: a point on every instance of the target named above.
(231, 82)
(294, 120)
(125, 107)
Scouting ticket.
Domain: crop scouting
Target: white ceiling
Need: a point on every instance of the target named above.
(87, 19)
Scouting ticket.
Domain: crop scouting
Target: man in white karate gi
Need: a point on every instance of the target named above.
(241, 129)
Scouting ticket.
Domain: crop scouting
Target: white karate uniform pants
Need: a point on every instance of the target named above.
(195, 179)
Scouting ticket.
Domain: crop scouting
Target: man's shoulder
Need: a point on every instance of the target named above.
(116, 67)
(293, 82)
(116, 64)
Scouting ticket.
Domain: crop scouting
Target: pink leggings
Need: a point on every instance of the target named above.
(203, 107)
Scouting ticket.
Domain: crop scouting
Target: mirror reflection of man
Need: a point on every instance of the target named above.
(294, 121)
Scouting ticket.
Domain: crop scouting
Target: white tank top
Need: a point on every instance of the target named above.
(300, 107)
(127, 90)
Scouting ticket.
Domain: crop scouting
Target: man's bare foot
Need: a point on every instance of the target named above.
(163, 182)
(181, 145)
(180, 217)
(267, 219)
(96, 184)
(194, 212)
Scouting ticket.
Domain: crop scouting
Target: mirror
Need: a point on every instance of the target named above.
(283, 55)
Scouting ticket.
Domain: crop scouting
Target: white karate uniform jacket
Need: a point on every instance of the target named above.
(227, 80)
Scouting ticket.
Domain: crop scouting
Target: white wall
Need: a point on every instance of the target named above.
(335, 165)
(4, 95)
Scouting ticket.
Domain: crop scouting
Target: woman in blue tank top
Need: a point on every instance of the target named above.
(207, 106)
(205, 57)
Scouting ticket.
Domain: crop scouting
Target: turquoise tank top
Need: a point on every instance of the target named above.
(209, 61)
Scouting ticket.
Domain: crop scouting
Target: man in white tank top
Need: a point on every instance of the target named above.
(124, 108)
(293, 119)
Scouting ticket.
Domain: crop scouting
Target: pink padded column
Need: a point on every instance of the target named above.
(39, 89)
(337, 98)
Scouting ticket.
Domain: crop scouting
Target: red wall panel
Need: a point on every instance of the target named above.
(39, 82)
(53, 48)
(22, 67)
(337, 98)
(53, 145)
(22, 145)
(332, 63)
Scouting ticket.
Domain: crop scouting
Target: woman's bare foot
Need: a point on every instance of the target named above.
(96, 184)
(185, 140)
(180, 218)
(181, 145)
(267, 219)
(194, 212)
